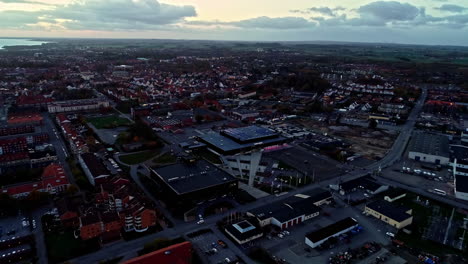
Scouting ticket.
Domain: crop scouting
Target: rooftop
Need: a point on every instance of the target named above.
(431, 144)
(397, 213)
(330, 230)
(460, 153)
(461, 183)
(249, 133)
(243, 233)
(284, 211)
(185, 178)
(242, 139)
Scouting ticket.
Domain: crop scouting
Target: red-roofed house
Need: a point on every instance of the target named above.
(175, 254)
(53, 180)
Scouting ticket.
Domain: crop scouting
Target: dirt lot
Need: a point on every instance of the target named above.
(370, 143)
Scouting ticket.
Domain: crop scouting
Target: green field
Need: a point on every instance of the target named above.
(139, 157)
(109, 122)
(64, 246)
(166, 158)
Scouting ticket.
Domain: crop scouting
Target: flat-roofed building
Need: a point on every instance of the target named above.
(288, 213)
(243, 232)
(459, 164)
(193, 181)
(396, 216)
(77, 105)
(319, 236)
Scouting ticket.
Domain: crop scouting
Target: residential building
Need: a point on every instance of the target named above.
(91, 226)
(53, 180)
(93, 168)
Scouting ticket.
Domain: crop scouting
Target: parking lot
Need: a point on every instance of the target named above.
(308, 162)
(15, 227)
(293, 249)
(210, 250)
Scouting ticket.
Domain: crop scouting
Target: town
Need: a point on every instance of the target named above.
(152, 151)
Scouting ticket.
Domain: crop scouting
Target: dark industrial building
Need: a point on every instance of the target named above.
(191, 182)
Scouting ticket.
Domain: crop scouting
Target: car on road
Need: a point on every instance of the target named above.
(390, 234)
(200, 222)
(222, 244)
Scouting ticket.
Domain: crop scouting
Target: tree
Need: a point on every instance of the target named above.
(198, 118)
(373, 123)
(72, 189)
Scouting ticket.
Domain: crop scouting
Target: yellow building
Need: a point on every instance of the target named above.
(396, 216)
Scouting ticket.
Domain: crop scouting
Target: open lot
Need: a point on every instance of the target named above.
(108, 121)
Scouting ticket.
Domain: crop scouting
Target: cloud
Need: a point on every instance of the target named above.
(274, 23)
(388, 11)
(262, 22)
(24, 2)
(392, 14)
(18, 19)
(323, 10)
(112, 14)
(452, 8)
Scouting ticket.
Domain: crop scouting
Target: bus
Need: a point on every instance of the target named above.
(440, 192)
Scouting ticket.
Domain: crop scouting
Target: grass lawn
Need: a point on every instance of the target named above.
(138, 157)
(166, 158)
(61, 247)
(109, 122)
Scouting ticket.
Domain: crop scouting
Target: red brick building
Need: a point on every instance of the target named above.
(175, 254)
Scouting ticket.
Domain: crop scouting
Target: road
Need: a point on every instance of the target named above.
(59, 145)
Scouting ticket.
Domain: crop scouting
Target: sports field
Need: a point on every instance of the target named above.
(108, 121)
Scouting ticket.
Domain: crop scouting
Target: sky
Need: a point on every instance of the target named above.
(431, 22)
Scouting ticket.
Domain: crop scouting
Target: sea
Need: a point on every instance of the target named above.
(19, 42)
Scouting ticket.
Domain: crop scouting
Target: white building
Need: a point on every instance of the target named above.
(77, 105)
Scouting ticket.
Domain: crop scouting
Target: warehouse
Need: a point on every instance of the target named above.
(430, 148)
(365, 183)
(396, 216)
(285, 214)
(318, 237)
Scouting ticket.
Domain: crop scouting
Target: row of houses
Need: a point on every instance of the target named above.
(75, 140)
(53, 180)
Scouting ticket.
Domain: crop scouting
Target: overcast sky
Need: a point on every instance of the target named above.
(411, 21)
